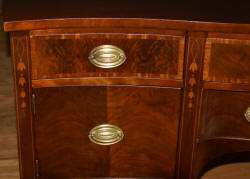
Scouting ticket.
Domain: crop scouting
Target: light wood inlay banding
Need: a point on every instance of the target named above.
(148, 55)
(227, 60)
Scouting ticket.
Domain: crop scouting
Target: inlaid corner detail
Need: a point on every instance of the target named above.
(20, 57)
(192, 76)
(192, 82)
(192, 71)
(227, 60)
(22, 83)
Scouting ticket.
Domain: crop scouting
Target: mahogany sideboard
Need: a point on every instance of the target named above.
(137, 89)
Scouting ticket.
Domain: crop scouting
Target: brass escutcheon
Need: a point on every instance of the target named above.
(106, 134)
(107, 56)
(247, 114)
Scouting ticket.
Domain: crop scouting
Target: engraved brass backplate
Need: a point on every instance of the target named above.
(106, 134)
(247, 114)
(107, 56)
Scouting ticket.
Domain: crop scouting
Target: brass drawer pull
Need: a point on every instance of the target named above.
(247, 114)
(106, 134)
(107, 56)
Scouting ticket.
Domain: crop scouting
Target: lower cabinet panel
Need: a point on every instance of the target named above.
(148, 117)
(223, 114)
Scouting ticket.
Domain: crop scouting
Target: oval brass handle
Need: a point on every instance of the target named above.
(247, 114)
(106, 134)
(107, 56)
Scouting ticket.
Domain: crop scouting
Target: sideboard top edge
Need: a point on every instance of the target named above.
(28, 25)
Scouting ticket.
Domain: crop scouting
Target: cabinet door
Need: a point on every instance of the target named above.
(224, 114)
(147, 116)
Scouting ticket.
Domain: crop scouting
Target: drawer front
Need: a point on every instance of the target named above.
(223, 114)
(148, 117)
(153, 56)
(227, 60)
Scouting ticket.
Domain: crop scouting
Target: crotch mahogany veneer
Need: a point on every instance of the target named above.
(151, 89)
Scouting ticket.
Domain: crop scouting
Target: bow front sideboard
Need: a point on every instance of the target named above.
(136, 89)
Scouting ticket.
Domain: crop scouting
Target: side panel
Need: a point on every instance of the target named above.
(21, 71)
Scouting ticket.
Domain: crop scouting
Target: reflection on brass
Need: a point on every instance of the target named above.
(247, 114)
(106, 134)
(107, 56)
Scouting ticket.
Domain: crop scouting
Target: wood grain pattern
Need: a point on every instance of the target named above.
(223, 128)
(106, 81)
(102, 30)
(124, 23)
(160, 124)
(67, 56)
(226, 86)
(148, 117)
(21, 68)
(223, 114)
(8, 137)
(191, 103)
(9, 169)
(8, 143)
(75, 111)
(227, 60)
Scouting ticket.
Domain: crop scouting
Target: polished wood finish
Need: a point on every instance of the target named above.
(191, 103)
(223, 128)
(226, 86)
(223, 114)
(227, 60)
(67, 55)
(182, 81)
(22, 81)
(69, 113)
(106, 81)
(124, 23)
(99, 30)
